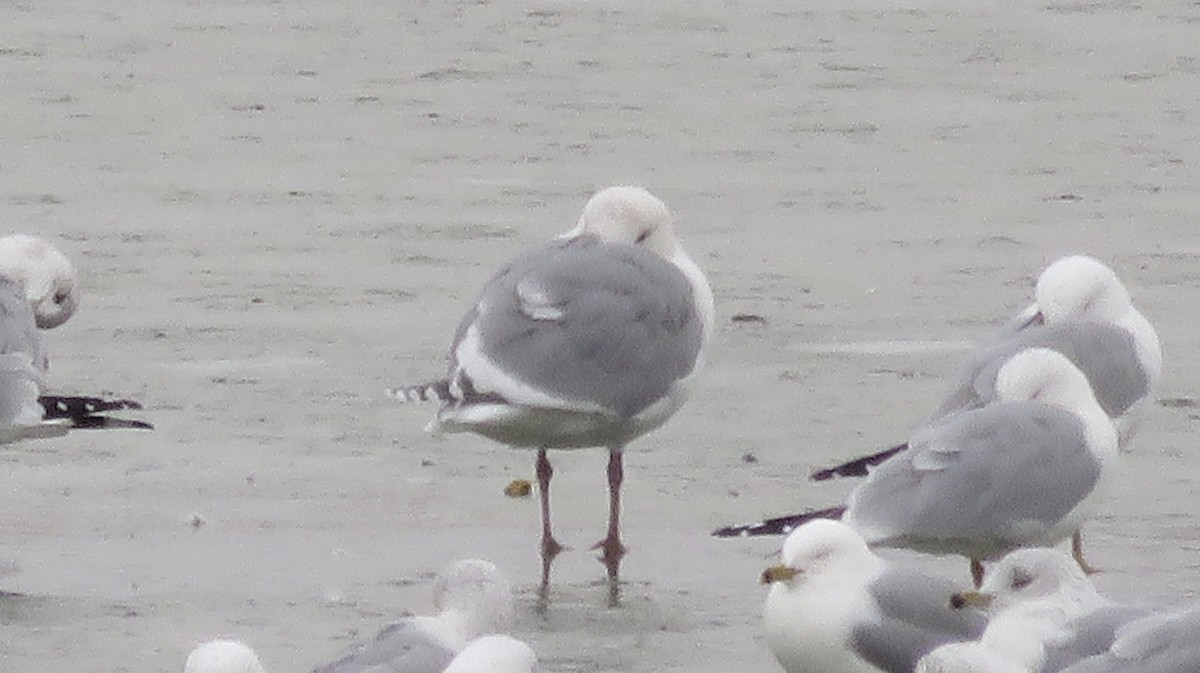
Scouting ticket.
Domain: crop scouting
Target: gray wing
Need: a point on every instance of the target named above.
(1088, 636)
(1156, 644)
(18, 332)
(21, 362)
(1106, 355)
(400, 647)
(607, 324)
(915, 617)
(978, 474)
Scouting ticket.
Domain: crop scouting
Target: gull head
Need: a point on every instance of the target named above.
(495, 654)
(1046, 376)
(629, 215)
(1078, 288)
(820, 548)
(475, 596)
(46, 275)
(223, 656)
(1028, 576)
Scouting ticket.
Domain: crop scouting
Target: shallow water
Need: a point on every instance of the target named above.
(280, 210)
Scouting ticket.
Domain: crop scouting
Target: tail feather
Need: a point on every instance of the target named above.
(859, 467)
(781, 525)
(84, 412)
(423, 392)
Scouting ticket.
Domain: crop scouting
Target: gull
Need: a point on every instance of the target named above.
(1022, 471)
(1042, 607)
(495, 654)
(1153, 644)
(223, 656)
(1082, 310)
(37, 292)
(590, 340)
(836, 606)
(473, 599)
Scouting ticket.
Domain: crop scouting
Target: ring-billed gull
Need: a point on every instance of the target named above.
(472, 598)
(38, 291)
(836, 606)
(1082, 310)
(1041, 605)
(1022, 471)
(590, 340)
(223, 656)
(495, 654)
(1155, 644)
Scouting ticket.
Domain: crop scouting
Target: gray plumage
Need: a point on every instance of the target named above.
(400, 647)
(915, 617)
(18, 331)
(22, 366)
(1089, 635)
(608, 325)
(1106, 354)
(1155, 644)
(978, 481)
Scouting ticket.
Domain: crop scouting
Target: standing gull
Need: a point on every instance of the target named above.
(38, 291)
(590, 340)
(1082, 310)
(473, 599)
(836, 606)
(1021, 471)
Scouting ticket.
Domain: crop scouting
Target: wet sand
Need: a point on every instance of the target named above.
(279, 210)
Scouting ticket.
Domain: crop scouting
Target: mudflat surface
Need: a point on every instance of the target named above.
(280, 209)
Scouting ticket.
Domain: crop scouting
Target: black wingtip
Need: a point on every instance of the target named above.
(84, 412)
(781, 525)
(108, 423)
(859, 467)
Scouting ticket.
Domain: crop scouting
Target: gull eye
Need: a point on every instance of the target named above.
(61, 296)
(1020, 579)
(641, 238)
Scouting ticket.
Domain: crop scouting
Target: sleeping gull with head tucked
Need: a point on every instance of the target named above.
(590, 340)
(473, 599)
(38, 291)
(1082, 310)
(836, 606)
(1021, 471)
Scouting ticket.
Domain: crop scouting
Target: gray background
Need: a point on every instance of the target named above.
(278, 209)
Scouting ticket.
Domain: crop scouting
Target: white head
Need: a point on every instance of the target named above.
(475, 596)
(1036, 574)
(1046, 376)
(1031, 594)
(45, 273)
(495, 654)
(629, 215)
(1079, 288)
(822, 548)
(223, 656)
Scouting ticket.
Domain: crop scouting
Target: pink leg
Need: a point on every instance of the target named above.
(977, 572)
(611, 545)
(1077, 554)
(550, 546)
